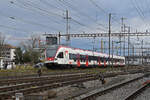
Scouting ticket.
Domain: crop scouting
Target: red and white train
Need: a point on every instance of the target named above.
(62, 56)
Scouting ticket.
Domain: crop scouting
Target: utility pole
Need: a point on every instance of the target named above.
(122, 24)
(59, 37)
(109, 35)
(142, 52)
(122, 31)
(101, 45)
(133, 54)
(94, 44)
(104, 48)
(67, 27)
(128, 44)
(112, 51)
(116, 50)
(120, 44)
(124, 50)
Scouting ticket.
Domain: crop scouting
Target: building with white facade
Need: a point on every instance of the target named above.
(7, 56)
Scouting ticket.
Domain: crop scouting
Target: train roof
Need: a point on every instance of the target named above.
(63, 46)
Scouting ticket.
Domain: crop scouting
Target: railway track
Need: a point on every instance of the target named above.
(38, 84)
(8, 92)
(137, 92)
(33, 78)
(108, 92)
(5, 82)
(35, 75)
(41, 84)
(19, 76)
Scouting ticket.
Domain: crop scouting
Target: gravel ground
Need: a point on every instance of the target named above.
(145, 95)
(77, 89)
(121, 93)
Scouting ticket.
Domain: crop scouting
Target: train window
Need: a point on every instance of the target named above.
(70, 56)
(102, 59)
(60, 55)
(106, 59)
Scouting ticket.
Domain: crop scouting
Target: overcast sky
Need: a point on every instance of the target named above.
(21, 18)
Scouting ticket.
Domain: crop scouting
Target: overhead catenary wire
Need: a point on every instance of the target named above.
(72, 19)
(41, 12)
(26, 6)
(33, 5)
(26, 21)
(103, 10)
(50, 5)
(140, 9)
(140, 12)
(82, 13)
(137, 8)
(34, 10)
(48, 12)
(16, 29)
(147, 3)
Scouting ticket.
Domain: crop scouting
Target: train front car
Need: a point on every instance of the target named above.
(51, 60)
(57, 56)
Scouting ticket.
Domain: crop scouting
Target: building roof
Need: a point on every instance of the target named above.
(9, 46)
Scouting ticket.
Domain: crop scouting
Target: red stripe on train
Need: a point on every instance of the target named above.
(78, 63)
(104, 63)
(87, 63)
(50, 59)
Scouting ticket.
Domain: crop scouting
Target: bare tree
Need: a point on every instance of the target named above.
(31, 43)
(29, 47)
(2, 42)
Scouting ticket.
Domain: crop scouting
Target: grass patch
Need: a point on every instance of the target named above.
(29, 70)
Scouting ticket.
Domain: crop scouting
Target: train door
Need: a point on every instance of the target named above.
(78, 60)
(60, 58)
(87, 62)
(99, 61)
(66, 57)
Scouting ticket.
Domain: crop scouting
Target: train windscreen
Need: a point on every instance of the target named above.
(51, 51)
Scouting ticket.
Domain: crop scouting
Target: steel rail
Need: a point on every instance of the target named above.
(35, 75)
(137, 92)
(98, 92)
(32, 84)
(34, 79)
(40, 88)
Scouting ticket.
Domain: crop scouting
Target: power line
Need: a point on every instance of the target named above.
(103, 10)
(137, 9)
(31, 4)
(140, 9)
(81, 13)
(27, 5)
(33, 10)
(16, 29)
(26, 21)
(54, 13)
(72, 19)
(61, 16)
(147, 3)
(50, 5)
(140, 12)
